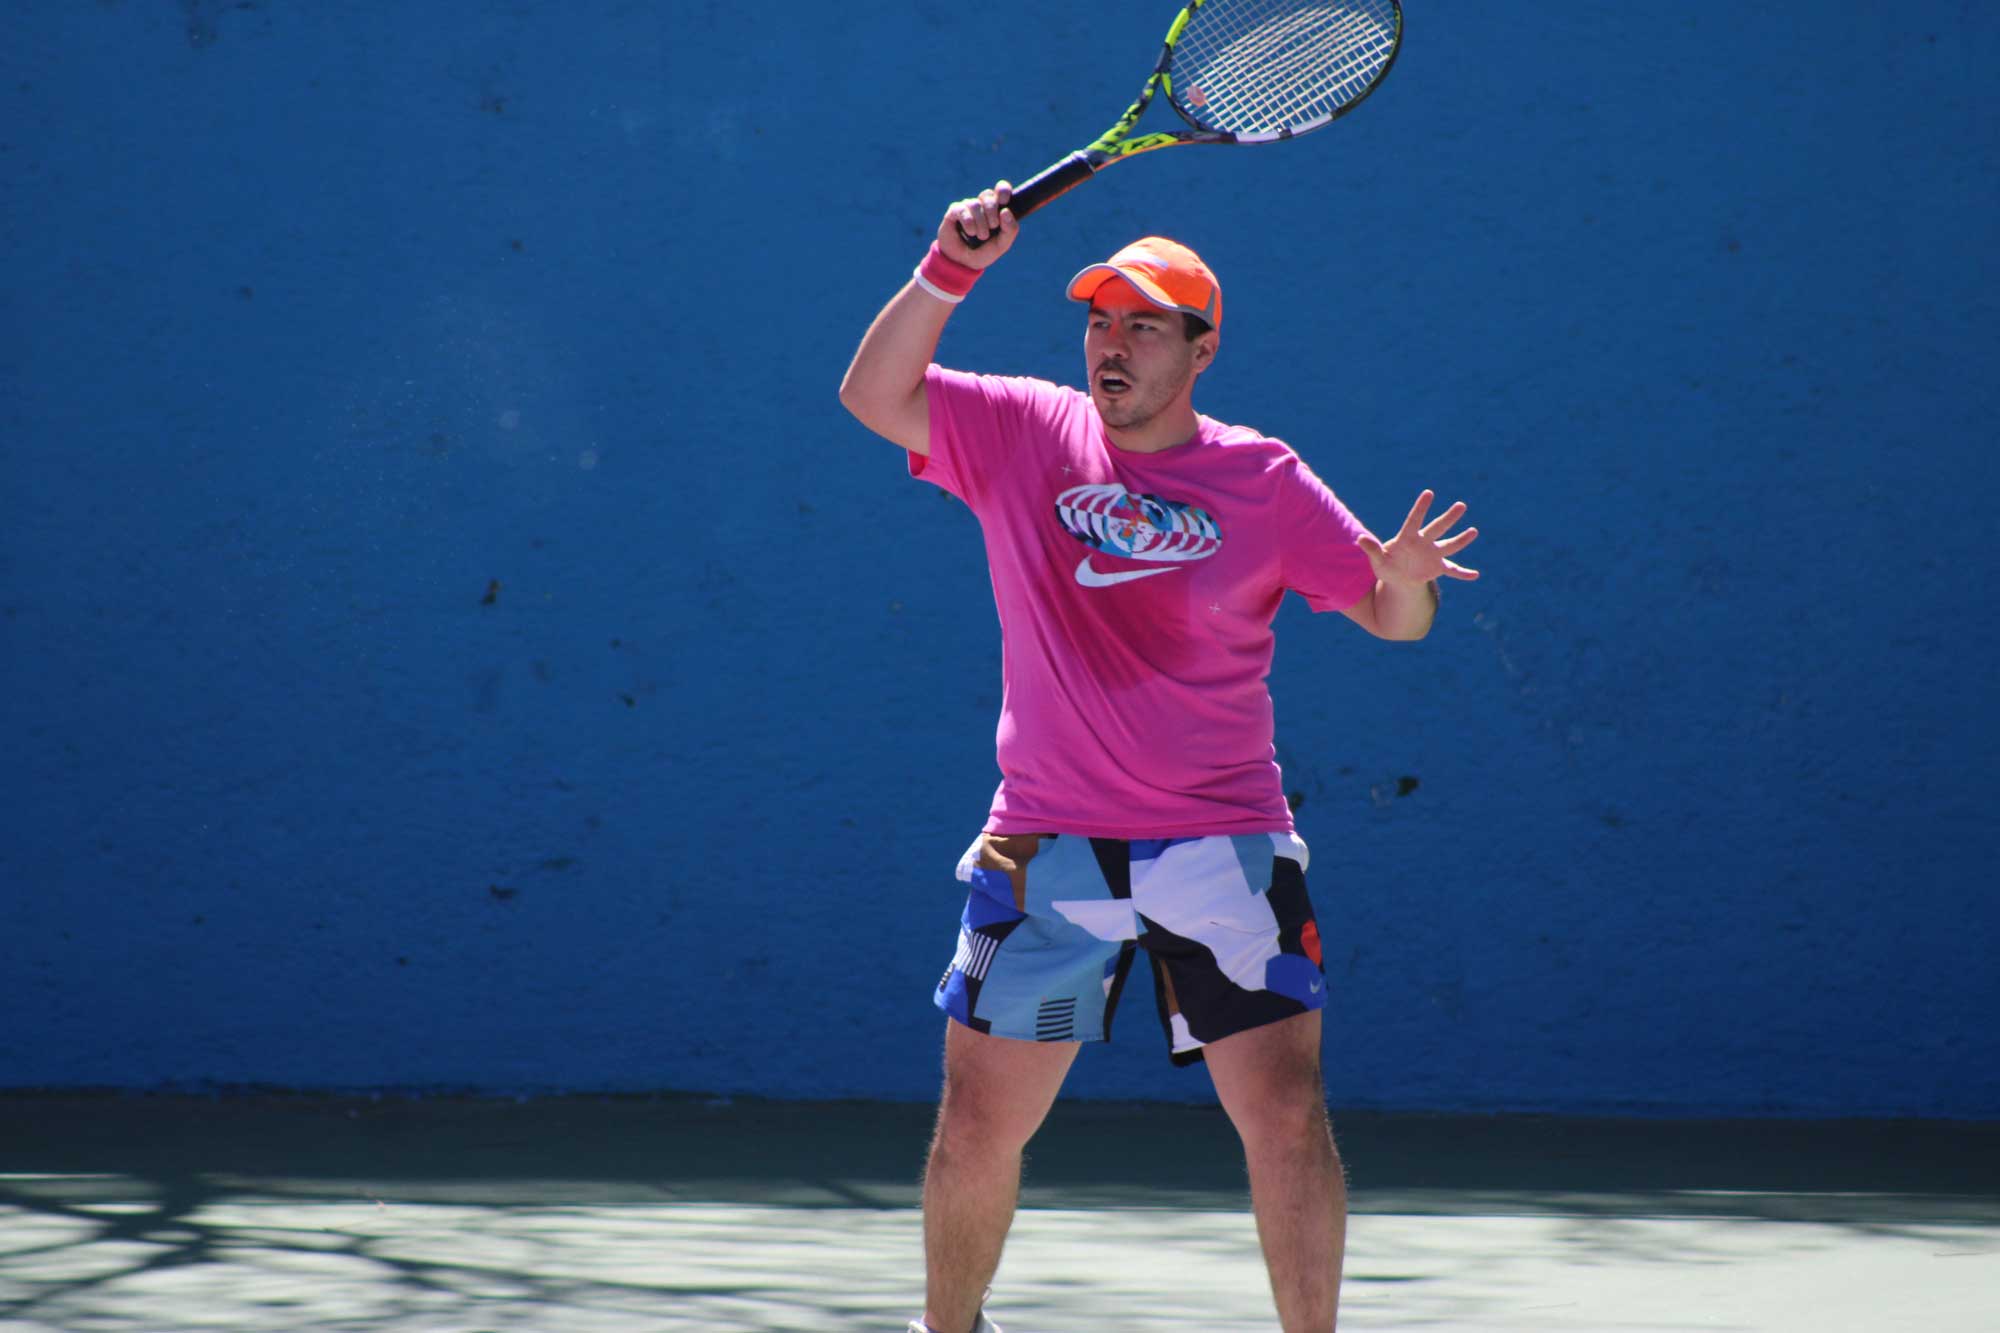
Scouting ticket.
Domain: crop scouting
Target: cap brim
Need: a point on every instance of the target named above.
(1083, 287)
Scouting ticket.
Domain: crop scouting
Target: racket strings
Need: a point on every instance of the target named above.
(1260, 66)
(1270, 70)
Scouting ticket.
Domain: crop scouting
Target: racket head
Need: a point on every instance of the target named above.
(1270, 69)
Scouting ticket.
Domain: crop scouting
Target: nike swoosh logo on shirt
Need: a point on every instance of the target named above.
(1095, 578)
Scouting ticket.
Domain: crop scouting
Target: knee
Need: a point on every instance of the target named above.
(977, 1119)
(1289, 1117)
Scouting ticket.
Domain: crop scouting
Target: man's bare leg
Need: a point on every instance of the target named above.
(996, 1093)
(1270, 1084)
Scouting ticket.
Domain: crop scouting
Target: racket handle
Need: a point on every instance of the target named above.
(1031, 194)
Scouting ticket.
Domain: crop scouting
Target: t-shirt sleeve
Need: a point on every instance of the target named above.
(976, 425)
(1321, 560)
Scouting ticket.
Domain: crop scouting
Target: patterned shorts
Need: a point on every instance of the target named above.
(1051, 924)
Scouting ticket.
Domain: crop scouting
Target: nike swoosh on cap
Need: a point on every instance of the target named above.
(1097, 578)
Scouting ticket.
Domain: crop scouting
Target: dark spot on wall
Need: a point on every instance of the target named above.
(246, 293)
(1295, 799)
(543, 673)
(492, 593)
(1405, 785)
(201, 19)
(515, 245)
(502, 893)
(1612, 819)
(558, 863)
(493, 104)
(630, 702)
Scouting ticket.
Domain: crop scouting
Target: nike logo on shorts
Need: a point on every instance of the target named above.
(1096, 578)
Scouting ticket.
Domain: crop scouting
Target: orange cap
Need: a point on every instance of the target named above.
(1165, 272)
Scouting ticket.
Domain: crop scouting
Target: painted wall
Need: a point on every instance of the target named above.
(455, 640)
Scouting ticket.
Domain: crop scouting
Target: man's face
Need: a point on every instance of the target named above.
(1138, 355)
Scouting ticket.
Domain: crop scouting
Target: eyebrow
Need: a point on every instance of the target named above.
(1149, 312)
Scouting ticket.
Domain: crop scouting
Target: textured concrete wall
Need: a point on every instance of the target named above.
(453, 638)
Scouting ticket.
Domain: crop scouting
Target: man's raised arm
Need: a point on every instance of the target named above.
(884, 384)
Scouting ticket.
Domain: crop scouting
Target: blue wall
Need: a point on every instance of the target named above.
(454, 639)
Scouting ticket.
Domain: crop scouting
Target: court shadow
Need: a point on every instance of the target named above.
(136, 1214)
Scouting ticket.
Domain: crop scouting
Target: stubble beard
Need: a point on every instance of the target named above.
(1138, 408)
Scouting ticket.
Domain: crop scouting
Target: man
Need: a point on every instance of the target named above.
(1138, 553)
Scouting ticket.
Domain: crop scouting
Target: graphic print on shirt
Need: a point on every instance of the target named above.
(1135, 526)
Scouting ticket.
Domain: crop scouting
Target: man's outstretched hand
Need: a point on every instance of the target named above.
(1420, 551)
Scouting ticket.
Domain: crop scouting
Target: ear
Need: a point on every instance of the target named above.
(1204, 350)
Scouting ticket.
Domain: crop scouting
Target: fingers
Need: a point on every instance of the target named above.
(980, 215)
(1417, 512)
(1442, 523)
(1434, 530)
(1458, 543)
(1421, 557)
(981, 226)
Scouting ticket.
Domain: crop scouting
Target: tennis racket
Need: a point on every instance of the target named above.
(1243, 71)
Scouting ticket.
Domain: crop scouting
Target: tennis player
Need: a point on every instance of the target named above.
(1138, 553)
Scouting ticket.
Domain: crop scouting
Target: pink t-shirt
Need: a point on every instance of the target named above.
(1136, 594)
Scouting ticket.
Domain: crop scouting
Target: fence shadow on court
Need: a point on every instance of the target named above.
(136, 1214)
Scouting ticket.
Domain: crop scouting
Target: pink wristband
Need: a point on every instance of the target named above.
(944, 277)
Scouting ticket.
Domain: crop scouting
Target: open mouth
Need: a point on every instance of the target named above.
(1111, 383)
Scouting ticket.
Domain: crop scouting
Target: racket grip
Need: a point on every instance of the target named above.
(1031, 194)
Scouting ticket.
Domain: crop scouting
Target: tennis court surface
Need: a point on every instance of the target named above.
(152, 1214)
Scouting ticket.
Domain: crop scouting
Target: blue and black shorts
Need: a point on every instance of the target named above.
(1052, 922)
